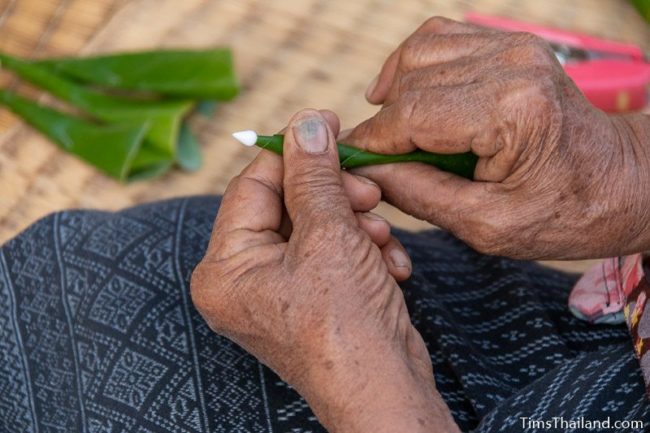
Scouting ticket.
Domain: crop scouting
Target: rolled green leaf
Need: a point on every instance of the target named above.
(195, 74)
(164, 117)
(461, 164)
(111, 148)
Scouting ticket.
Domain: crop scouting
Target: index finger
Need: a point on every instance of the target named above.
(442, 120)
(251, 209)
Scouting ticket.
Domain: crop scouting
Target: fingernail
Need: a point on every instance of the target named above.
(366, 181)
(374, 216)
(399, 258)
(371, 87)
(311, 134)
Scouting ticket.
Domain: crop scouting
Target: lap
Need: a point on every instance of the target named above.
(99, 334)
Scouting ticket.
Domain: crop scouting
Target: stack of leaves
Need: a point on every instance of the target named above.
(130, 110)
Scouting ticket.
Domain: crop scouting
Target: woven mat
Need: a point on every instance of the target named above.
(289, 54)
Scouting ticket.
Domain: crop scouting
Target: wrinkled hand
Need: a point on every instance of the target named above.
(317, 302)
(558, 178)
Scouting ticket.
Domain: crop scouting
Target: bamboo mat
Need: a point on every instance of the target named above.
(289, 54)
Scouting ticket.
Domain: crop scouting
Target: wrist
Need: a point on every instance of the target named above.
(375, 389)
(633, 131)
(633, 203)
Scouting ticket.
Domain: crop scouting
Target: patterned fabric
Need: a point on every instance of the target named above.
(98, 334)
(617, 291)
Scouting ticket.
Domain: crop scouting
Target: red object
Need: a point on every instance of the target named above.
(614, 76)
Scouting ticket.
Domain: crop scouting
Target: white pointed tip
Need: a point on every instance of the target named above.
(247, 138)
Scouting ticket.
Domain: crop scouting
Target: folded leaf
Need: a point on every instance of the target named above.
(111, 148)
(148, 164)
(149, 171)
(204, 74)
(189, 151)
(164, 117)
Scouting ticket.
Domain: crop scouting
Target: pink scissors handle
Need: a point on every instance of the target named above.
(612, 85)
(558, 36)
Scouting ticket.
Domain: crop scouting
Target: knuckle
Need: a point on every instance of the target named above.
(206, 291)
(525, 38)
(314, 181)
(234, 183)
(541, 92)
(410, 51)
(531, 50)
(538, 92)
(230, 245)
(233, 186)
(403, 122)
(535, 91)
(436, 23)
(315, 192)
(199, 285)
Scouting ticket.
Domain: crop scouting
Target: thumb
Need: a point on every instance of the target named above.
(313, 187)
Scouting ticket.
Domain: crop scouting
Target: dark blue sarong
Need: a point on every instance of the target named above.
(98, 334)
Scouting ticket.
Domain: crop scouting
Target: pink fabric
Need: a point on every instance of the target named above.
(616, 291)
(600, 295)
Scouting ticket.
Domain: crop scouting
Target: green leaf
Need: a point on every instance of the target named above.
(111, 148)
(195, 74)
(461, 164)
(189, 150)
(164, 117)
(149, 172)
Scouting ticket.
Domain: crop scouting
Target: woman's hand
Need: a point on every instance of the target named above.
(559, 178)
(317, 302)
